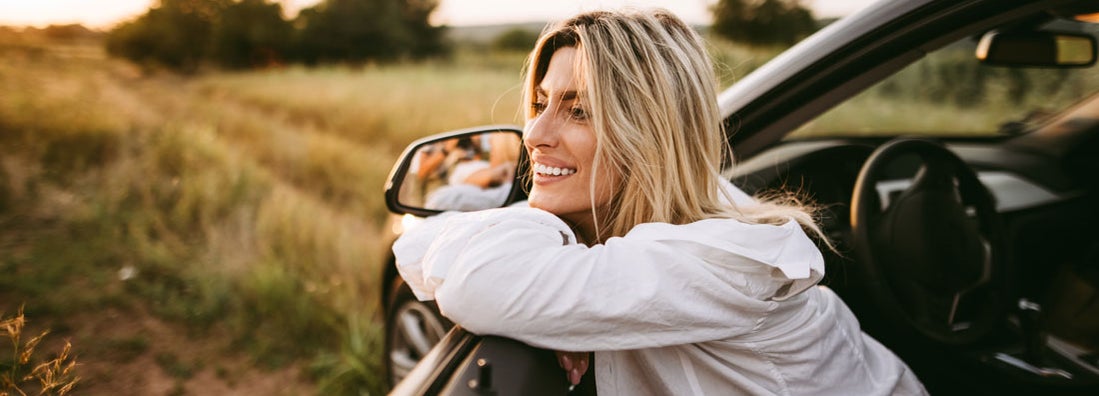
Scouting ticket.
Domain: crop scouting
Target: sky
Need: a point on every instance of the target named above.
(103, 14)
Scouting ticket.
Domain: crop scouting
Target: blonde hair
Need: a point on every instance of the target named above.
(650, 85)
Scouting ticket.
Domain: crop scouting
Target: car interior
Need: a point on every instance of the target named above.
(1012, 281)
(952, 157)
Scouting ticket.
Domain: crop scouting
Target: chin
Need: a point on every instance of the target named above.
(542, 204)
(549, 205)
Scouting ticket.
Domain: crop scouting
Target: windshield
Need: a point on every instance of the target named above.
(950, 93)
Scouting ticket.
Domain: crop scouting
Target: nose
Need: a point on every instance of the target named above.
(540, 132)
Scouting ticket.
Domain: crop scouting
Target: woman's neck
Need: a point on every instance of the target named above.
(584, 229)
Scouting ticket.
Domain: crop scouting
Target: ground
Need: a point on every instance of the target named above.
(131, 352)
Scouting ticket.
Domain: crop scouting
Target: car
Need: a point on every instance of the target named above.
(953, 146)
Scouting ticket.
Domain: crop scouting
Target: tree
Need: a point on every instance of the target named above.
(175, 34)
(250, 33)
(184, 34)
(427, 40)
(361, 30)
(767, 22)
(515, 39)
(70, 32)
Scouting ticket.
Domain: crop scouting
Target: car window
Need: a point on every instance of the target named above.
(949, 93)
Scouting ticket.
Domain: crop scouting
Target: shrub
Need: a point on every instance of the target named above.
(515, 39)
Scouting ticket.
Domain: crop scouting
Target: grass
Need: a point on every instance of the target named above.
(733, 61)
(26, 370)
(228, 213)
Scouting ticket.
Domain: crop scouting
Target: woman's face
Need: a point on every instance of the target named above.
(561, 142)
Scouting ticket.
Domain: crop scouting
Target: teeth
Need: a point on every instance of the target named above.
(548, 170)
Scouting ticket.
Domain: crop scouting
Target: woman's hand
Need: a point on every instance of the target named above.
(575, 364)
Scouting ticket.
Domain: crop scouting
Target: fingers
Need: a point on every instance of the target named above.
(575, 364)
(564, 360)
(581, 362)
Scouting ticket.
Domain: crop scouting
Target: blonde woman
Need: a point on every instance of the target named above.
(634, 247)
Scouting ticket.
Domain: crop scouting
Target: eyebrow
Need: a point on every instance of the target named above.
(566, 96)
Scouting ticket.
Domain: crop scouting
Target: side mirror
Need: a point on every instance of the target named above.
(1037, 49)
(463, 170)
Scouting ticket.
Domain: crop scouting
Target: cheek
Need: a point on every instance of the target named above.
(583, 146)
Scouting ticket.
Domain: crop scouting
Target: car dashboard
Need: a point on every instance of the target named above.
(1047, 214)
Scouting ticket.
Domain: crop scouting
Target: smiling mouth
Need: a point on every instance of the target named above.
(544, 170)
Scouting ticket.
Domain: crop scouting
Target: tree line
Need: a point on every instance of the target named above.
(765, 22)
(235, 34)
(186, 34)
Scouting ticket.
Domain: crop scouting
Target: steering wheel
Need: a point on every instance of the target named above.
(931, 251)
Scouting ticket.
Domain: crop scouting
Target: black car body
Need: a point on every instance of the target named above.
(967, 240)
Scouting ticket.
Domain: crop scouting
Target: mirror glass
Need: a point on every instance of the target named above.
(1074, 50)
(1037, 49)
(468, 172)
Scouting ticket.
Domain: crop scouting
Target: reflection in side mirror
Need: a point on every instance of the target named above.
(466, 170)
(1037, 49)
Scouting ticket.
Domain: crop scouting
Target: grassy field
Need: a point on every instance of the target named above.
(244, 209)
(223, 232)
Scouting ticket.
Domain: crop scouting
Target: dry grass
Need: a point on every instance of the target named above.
(733, 61)
(380, 106)
(246, 204)
(27, 372)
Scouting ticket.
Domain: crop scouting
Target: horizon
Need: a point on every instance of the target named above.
(104, 15)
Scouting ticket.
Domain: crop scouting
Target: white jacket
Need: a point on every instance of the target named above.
(715, 307)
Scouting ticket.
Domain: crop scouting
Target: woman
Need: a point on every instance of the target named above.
(633, 246)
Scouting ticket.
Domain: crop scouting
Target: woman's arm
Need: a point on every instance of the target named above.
(508, 272)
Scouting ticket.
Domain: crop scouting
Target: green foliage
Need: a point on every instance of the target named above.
(515, 39)
(366, 30)
(175, 366)
(427, 40)
(768, 22)
(69, 32)
(734, 60)
(354, 369)
(251, 33)
(175, 34)
(185, 35)
(128, 348)
(79, 151)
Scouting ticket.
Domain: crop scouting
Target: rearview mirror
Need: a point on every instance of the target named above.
(464, 170)
(1037, 49)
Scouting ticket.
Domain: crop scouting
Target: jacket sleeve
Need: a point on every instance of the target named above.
(509, 272)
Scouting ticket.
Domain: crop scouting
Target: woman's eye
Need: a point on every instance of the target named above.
(538, 107)
(578, 113)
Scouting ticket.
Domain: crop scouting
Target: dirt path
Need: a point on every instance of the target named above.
(130, 352)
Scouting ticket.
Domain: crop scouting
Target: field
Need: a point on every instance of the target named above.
(218, 233)
(209, 225)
